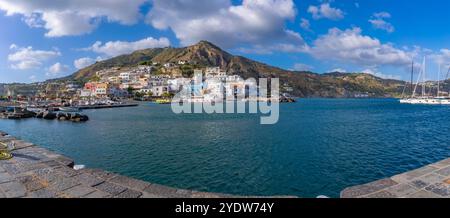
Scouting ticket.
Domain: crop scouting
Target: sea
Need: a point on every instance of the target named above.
(318, 146)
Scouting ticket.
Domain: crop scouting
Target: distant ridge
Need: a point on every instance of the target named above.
(304, 84)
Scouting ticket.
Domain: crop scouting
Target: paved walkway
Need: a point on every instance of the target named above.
(432, 181)
(35, 172)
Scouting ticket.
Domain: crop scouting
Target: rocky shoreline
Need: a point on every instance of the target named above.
(21, 113)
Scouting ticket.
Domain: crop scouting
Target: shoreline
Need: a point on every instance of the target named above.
(35, 172)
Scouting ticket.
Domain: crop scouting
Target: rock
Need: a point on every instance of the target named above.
(79, 118)
(40, 115)
(61, 116)
(84, 118)
(49, 115)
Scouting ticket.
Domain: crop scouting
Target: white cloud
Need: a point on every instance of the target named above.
(256, 22)
(351, 46)
(325, 11)
(382, 14)
(340, 70)
(73, 17)
(443, 57)
(57, 69)
(305, 24)
(28, 58)
(115, 48)
(376, 73)
(379, 22)
(84, 62)
(33, 78)
(302, 67)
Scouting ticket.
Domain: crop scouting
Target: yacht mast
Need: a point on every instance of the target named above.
(417, 83)
(439, 77)
(423, 77)
(412, 78)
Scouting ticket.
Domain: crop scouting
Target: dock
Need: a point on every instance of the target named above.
(88, 107)
(36, 172)
(431, 181)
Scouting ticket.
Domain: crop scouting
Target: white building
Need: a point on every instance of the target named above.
(214, 72)
(160, 90)
(177, 84)
(86, 93)
(100, 91)
(169, 65)
(125, 76)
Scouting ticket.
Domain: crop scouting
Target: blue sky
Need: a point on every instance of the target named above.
(43, 39)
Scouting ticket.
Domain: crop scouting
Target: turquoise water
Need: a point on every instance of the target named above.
(318, 147)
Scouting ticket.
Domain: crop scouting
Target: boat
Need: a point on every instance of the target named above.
(163, 101)
(69, 109)
(424, 98)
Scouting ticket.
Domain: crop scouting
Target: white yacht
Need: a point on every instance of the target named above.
(424, 98)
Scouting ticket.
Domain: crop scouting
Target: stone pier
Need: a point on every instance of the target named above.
(432, 181)
(35, 172)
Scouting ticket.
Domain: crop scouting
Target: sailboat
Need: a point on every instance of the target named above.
(425, 99)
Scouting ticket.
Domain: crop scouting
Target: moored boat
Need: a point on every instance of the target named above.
(425, 99)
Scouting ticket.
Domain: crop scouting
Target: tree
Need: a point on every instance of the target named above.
(130, 90)
(95, 78)
(167, 95)
(139, 94)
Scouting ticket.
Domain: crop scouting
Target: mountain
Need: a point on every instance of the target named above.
(206, 54)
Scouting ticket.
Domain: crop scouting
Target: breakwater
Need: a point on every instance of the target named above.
(431, 181)
(21, 113)
(87, 107)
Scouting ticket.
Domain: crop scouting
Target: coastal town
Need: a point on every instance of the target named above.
(123, 86)
(147, 81)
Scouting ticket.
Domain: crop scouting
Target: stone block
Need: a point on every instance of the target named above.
(440, 189)
(99, 173)
(401, 190)
(444, 172)
(420, 172)
(130, 183)
(5, 177)
(65, 161)
(442, 163)
(66, 171)
(160, 190)
(79, 191)
(110, 188)
(31, 183)
(419, 184)
(13, 189)
(382, 194)
(368, 188)
(423, 194)
(62, 184)
(88, 179)
(43, 193)
(98, 194)
(129, 194)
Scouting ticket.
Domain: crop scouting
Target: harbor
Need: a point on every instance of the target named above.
(35, 172)
(229, 153)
